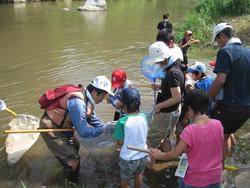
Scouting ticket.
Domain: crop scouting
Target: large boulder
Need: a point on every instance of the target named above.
(93, 5)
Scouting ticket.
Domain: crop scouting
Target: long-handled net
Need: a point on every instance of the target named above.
(18, 144)
(27, 128)
(151, 72)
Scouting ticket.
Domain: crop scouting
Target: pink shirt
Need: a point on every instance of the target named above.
(204, 152)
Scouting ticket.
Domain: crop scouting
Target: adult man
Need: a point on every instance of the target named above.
(232, 69)
(165, 25)
(168, 100)
(76, 110)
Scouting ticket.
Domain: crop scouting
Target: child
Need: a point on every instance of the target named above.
(203, 141)
(119, 82)
(131, 129)
(198, 71)
(198, 80)
(185, 43)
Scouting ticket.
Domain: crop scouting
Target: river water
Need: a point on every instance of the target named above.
(51, 43)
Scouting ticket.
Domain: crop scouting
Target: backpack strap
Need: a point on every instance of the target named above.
(56, 118)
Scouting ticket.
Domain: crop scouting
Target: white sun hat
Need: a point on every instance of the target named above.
(103, 83)
(158, 52)
(217, 29)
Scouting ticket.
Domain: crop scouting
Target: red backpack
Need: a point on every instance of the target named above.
(52, 97)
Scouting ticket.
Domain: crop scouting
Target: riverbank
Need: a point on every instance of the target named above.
(241, 25)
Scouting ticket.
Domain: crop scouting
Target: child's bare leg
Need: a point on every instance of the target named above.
(233, 140)
(227, 144)
(138, 180)
(124, 183)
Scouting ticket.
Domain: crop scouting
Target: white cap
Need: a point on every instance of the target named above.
(103, 83)
(158, 52)
(218, 28)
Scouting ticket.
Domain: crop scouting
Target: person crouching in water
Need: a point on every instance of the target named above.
(77, 109)
(203, 141)
(131, 130)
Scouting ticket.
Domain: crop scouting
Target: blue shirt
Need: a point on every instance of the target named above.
(204, 84)
(234, 60)
(77, 112)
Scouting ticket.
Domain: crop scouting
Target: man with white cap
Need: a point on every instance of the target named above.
(232, 69)
(76, 110)
(169, 98)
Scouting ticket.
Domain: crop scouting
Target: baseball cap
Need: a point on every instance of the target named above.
(118, 77)
(158, 52)
(103, 83)
(218, 28)
(188, 33)
(197, 66)
(130, 95)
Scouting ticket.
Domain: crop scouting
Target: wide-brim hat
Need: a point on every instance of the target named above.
(158, 52)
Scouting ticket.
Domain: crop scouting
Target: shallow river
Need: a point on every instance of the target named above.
(44, 45)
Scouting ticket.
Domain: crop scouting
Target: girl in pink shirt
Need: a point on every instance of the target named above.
(203, 141)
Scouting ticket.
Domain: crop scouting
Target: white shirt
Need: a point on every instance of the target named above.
(176, 53)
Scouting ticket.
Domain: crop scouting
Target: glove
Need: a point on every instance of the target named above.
(109, 127)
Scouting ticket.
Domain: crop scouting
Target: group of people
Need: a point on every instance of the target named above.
(215, 109)
(205, 138)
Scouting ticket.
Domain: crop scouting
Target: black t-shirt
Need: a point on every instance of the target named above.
(234, 60)
(174, 78)
(165, 24)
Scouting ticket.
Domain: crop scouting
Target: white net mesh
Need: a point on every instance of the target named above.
(18, 144)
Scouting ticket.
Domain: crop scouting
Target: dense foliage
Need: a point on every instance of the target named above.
(207, 12)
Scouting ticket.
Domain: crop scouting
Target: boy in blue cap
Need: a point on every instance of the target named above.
(198, 71)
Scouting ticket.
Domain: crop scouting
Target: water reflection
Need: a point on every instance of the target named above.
(95, 20)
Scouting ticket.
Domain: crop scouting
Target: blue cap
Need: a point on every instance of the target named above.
(130, 95)
(197, 66)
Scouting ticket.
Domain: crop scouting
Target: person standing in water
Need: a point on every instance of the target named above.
(185, 44)
(169, 95)
(165, 25)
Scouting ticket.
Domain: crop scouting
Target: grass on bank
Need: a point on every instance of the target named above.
(208, 12)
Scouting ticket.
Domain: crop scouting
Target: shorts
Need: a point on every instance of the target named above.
(163, 126)
(232, 118)
(129, 169)
(182, 184)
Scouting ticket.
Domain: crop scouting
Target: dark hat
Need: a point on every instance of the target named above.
(130, 95)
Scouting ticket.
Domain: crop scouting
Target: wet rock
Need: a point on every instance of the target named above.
(93, 5)
(242, 180)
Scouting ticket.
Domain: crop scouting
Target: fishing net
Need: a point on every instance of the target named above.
(150, 70)
(18, 144)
